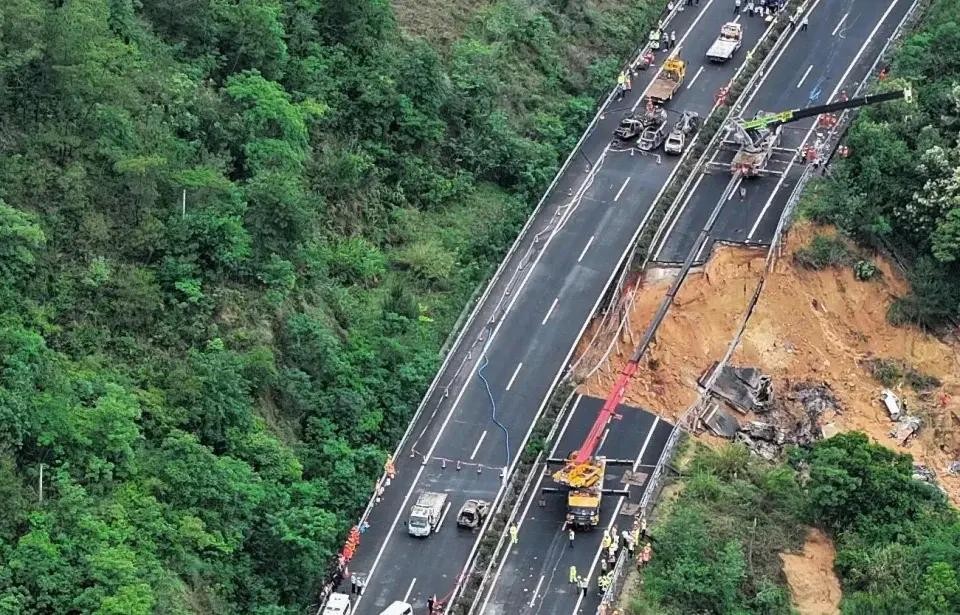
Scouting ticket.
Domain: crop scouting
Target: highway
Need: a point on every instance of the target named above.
(833, 55)
(534, 578)
(528, 335)
(844, 37)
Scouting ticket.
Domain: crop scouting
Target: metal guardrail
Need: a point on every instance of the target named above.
(692, 414)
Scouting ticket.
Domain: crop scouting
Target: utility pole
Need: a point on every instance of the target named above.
(183, 206)
(41, 483)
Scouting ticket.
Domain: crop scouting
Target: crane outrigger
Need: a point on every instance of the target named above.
(757, 139)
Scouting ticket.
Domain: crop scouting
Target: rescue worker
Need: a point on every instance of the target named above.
(514, 534)
(736, 6)
(583, 584)
(573, 574)
(642, 531)
(605, 541)
(673, 39)
(628, 540)
(751, 8)
(621, 84)
(654, 39)
(646, 554)
(603, 563)
(804, 23)
(603, 583)
(571, 535)
(431, 602)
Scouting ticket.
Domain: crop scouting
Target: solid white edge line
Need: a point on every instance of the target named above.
(442, 517)
(674, 51)
(616, 510)
(806, 137)
(526, 509)
(676, 216)
(804, 78)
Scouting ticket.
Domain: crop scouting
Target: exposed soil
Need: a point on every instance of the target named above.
(817, 326)
(813, 584)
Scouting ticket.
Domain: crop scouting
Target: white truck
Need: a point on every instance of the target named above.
(426, 513)
(730, 39)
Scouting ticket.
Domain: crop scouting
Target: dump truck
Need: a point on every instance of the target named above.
(730, 39)
(688, 124)
(426, 514)
(472, 513)
(668, 80)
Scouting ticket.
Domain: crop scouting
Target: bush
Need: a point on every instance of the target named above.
(824, 251)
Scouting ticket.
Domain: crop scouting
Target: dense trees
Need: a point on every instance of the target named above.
(900, 188)
(898, 540)
(233, 235)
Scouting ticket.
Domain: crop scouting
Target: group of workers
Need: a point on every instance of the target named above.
(610, 544)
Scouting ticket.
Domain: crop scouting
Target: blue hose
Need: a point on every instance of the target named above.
(493, 407)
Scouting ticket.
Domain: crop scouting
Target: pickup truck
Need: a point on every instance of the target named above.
(730, 39)
(426, 514)
(668, 81)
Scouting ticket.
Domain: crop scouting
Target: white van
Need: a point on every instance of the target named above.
(337, 604)
(398, 608)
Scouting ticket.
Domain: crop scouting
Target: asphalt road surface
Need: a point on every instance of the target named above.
(527, 349)
(832, 56)
(844, 37)
(533, 579)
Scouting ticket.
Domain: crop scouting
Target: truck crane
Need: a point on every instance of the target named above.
(756, 139)
(582, 473)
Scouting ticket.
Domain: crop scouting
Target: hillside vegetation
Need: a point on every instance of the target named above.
(900, 188)
(233, 237)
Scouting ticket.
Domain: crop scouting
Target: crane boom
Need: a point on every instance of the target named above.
(776, 119)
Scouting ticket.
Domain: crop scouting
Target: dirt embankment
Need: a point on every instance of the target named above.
(813, 583)
(808, 326)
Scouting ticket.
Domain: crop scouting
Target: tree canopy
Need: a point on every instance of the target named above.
(234, 235)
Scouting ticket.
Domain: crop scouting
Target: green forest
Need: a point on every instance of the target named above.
(899, 191)
(897, 538)
(234, 235)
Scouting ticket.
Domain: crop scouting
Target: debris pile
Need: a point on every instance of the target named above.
(925, 474)
(744, 388)
(905, 425)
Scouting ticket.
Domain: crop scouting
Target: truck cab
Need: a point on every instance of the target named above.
(722, 49)
(426, 514)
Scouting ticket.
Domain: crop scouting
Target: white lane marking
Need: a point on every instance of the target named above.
(586, 247)
(516, 295)
(530, 499)
(619, 192)
(694, 80)
(514, 376)
(735, 190)
(840, 83)
(604, 438)
(442, 517)
(406, 596)
(550, 311)
(804, 78)
(616, 511)
(737, 18)
(479, 442)
(793, 35)
(840, 24)
(690, 193)
(536, 590)
(674, 51)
